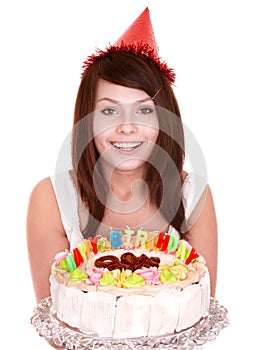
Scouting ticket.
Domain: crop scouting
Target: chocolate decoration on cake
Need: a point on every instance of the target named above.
(128, 261)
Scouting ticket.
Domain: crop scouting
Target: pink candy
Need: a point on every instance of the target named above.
(150, 275)
(94, 277)
(61, 256)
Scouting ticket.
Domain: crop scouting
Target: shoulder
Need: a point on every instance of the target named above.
(42, 191)
(45, 234)
(42, 205)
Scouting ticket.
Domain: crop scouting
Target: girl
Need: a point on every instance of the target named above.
(127, 166)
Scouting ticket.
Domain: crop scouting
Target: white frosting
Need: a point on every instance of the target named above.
(132, 312)
(131, 315)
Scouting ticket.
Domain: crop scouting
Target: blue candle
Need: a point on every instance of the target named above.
(115, 238)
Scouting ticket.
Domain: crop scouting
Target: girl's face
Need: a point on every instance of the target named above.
(125, 125)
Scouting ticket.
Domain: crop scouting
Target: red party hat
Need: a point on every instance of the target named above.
(140, 31)
(138, 39)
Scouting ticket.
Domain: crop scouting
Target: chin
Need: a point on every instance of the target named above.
(130, 165)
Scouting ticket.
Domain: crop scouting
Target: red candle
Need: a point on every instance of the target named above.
(163, 241)
(193, 255)
(77, 257)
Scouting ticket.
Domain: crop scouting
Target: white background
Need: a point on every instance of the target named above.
(216, 49)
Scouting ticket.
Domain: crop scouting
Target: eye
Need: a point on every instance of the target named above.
(109, 111)
(145, 110)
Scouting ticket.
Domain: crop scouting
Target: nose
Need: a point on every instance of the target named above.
(127, 128)
(127, 125)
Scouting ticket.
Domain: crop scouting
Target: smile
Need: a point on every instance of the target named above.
(127, 146)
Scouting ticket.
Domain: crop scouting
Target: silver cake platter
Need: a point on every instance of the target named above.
(60, 334)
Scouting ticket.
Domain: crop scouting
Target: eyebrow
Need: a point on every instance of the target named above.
(116, 101)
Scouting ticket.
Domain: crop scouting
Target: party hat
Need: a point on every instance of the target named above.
(140, 31)
(138, 39)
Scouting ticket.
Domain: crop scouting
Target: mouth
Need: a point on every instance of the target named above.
(126, 146)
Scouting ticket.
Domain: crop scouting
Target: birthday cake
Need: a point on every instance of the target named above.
(149, 285)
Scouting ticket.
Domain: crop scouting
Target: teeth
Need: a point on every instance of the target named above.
(126, 145)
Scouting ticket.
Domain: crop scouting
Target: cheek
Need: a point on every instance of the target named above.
(151, 129)
(152, 134)
(100, 140)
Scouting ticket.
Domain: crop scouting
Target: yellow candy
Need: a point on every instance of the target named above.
(164, 267)
(120, 277)
(179, 271)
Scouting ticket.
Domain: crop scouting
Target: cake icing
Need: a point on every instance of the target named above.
(152, 286)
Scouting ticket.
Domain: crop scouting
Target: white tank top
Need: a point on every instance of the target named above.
(67, 198)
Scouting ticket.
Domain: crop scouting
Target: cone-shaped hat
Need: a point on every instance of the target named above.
(138, 39)
(140, 31)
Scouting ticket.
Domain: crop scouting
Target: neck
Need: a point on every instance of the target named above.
(128, 192)
(125, 184)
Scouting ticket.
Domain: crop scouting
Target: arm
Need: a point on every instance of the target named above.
(202, 234)
(45, 235)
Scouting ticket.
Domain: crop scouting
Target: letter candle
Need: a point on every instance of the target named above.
(115, 238)
(163, 241)
(146, 239)
(141, 238)
(82, 249)
(181, 252)
(173, 243)
(88, 246)
(70, 262)
(129, 233)
(77, 257)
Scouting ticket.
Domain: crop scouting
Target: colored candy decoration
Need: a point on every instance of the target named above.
(193, 255)
(151, 275)
(179, 272)
(167, 277)
(78, 275)
(70, 262)
(94, 277)
(61, 256)
(63, 265)
(134, 280)
(151, 241)
(120, 277)
(107, 279)
(176, 263)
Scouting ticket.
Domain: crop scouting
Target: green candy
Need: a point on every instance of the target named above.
(167, 277)
(134, 280)
(176, 263)
(107, 279)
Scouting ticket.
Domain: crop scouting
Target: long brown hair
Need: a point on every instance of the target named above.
(139, 72)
